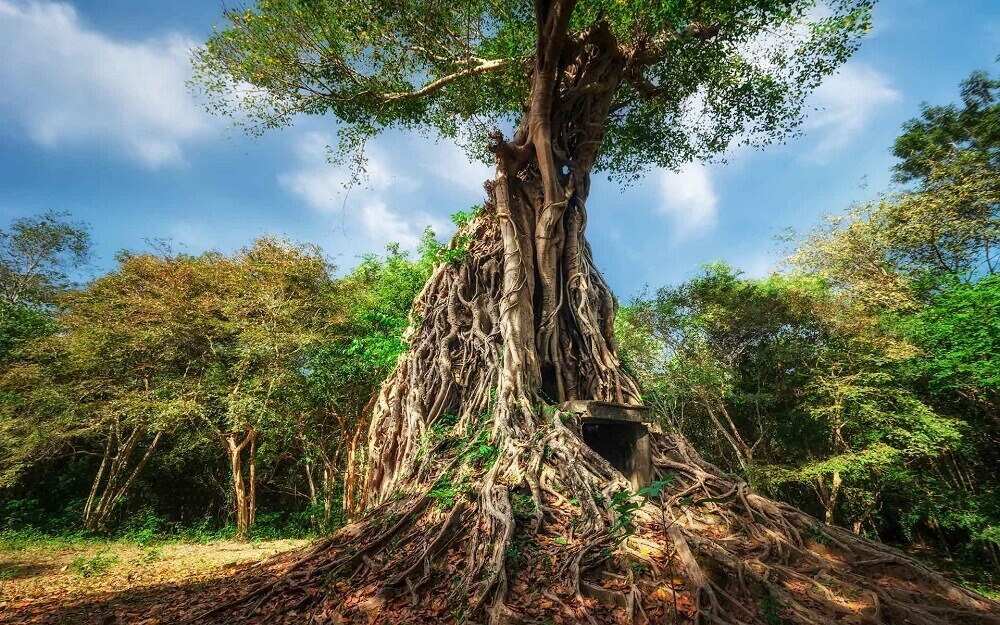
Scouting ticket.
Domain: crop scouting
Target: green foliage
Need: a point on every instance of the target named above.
(523, 506)
(957, 332)
(94, 566)
(969, 134)
(462, 218)
(624, 507)
(447, 490)
(861, 384)
(20, 325)
(482, 454)
(461, 70)
(185, 350)
(37, 255)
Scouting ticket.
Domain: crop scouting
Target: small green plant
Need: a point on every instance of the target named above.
(639, 568)
(523, 506)
(481, 453)
(462, 218)
(817, 534)
(770, 609)
(458, 251)
(654, 490)
(446, 491)
(624, 505)
(516, 551)
(97, 564)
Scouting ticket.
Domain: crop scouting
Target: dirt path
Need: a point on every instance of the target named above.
(99, 582)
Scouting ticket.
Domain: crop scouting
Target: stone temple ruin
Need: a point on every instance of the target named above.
(618, 433)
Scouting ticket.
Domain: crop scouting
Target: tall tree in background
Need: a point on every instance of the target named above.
(345, 372)
(478, 485)
(37, 256)
(167, 343)
(969, 134)
(922, 262)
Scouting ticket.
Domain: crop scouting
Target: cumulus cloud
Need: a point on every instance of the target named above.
(328, 189)
(325, 187)
(450, 163)
(688, 198)
(384, 224)
(65, 84)
(847, 102)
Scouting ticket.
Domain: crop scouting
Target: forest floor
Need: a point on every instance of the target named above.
(90, 581)
(81, 582)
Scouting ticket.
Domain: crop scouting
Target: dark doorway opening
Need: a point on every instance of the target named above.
(624, 445)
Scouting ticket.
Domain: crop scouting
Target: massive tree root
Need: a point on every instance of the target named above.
(483, 502)
(703, 549)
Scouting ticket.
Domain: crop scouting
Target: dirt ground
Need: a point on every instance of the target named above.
(97, 582)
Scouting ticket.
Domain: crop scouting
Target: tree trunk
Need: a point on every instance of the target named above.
(115, 476)
(352, 497)
(244, 487)
(482, 501)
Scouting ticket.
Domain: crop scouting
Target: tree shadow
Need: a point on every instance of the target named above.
(14, 569)
(160, 604)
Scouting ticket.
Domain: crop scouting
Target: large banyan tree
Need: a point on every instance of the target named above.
(482, 501)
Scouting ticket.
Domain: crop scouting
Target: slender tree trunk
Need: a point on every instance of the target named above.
(352, 499)
(244, 487)
(95, 488)
(329, 484)
(115, 476)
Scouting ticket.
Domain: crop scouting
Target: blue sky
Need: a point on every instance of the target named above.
(95, 119)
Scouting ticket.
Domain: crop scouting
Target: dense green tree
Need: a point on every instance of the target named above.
(346, 372)
(169, 359)
(169, 342)
(37, 255)
(968, 134)
(779, 380)
(921, 264)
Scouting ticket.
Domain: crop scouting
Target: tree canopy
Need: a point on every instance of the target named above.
(699, 76)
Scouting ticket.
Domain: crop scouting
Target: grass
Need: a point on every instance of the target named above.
(94, 565)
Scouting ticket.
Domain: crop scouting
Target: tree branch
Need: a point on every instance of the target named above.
(440, 83)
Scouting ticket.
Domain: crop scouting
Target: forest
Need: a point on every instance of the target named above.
(407, 412)
(226, 395)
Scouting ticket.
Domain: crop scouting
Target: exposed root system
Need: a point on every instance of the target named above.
(484, 505)
(704, 549)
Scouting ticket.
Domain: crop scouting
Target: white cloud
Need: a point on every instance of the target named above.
(316, 181)
(448, 161)
(65, 84)
(381, 223)
(688, 198)
(848, 103)
(326, 188)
